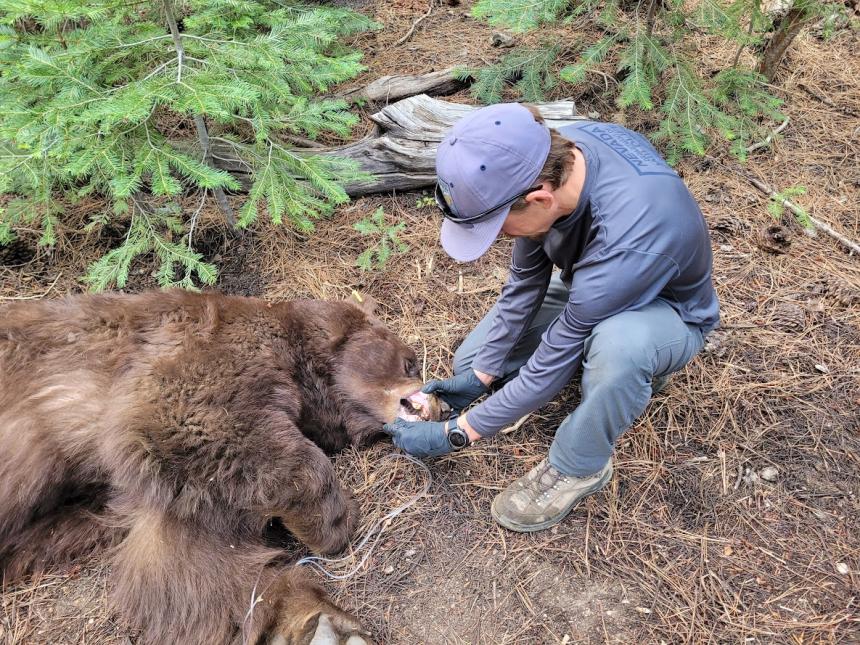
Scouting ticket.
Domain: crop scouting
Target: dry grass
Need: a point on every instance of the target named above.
(688, 544)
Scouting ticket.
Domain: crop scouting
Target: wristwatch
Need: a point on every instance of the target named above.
(457, 437)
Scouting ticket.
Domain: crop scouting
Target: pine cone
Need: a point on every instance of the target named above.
(788, 317)
(774, 238)
(836, 290)
(843, 293)
(728, 226)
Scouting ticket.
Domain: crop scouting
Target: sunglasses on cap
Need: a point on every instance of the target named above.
(451, 215)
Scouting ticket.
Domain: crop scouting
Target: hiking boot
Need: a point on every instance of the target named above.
(659, 383)
(543, 497)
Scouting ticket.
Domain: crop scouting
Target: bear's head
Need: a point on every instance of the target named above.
(381, 369)
(374, 373)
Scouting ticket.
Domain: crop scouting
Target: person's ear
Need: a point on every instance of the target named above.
(543, 197)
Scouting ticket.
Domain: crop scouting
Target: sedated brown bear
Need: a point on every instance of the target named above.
(170, 429)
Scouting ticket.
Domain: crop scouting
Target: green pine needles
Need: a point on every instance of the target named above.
(530, 71)
(520, 15)
(651, 45)
(778, 202)
(386, 240)
(132, 100)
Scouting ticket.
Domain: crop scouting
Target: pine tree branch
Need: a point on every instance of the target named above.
(199, 123)
(794, 208)
(743, 45)
(140, 42)
(102, 89)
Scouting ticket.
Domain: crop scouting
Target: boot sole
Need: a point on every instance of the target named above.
(532, 528)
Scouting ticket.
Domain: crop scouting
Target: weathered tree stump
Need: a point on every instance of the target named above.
(400, 153)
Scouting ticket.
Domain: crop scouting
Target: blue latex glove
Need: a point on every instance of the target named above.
(458, 391)
(419, 438)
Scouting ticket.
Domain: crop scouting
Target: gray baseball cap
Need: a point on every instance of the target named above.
(489, 157)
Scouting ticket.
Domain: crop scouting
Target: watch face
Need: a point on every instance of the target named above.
(457, 438)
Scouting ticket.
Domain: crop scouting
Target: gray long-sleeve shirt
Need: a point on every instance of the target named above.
(636, 235)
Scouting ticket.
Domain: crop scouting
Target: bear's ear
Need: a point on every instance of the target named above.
(364, 302)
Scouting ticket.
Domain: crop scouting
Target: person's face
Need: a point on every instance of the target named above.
(533, 221)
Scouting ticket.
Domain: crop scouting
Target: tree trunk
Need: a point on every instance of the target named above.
(401, 151)
(784, 33)
(651, 17)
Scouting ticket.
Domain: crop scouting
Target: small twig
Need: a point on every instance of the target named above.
(302, 141)
(769, 138)
(794, 208)
(155, 71)
(36, 296)
(817, 96)
(417, 22)
(826, 100)
(194, 217)
(739, 477)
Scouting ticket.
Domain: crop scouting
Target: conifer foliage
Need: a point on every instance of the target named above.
(92, 94)
(652, 46)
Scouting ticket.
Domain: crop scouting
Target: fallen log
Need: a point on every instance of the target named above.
(400, 153)
(389, 89)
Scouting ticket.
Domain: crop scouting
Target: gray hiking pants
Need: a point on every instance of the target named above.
(622, 356)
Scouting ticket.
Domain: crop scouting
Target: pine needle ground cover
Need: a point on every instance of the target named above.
(91, 94)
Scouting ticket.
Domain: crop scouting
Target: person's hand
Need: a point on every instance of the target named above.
(458, 391)
(419, 438)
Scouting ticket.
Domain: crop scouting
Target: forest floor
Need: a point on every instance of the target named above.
(689, 543)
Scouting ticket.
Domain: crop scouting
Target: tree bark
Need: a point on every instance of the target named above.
(400, 153)
(651, 17)
(786, 31)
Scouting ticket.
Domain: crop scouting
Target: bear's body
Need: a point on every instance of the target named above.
(173, 426)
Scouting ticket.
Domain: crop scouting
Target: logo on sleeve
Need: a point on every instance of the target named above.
(631, 147)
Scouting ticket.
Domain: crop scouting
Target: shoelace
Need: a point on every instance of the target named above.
(543, 488)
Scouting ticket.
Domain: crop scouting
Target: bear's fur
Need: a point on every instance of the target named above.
(172, 427)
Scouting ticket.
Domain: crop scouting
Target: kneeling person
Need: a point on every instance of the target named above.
(631, 304)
